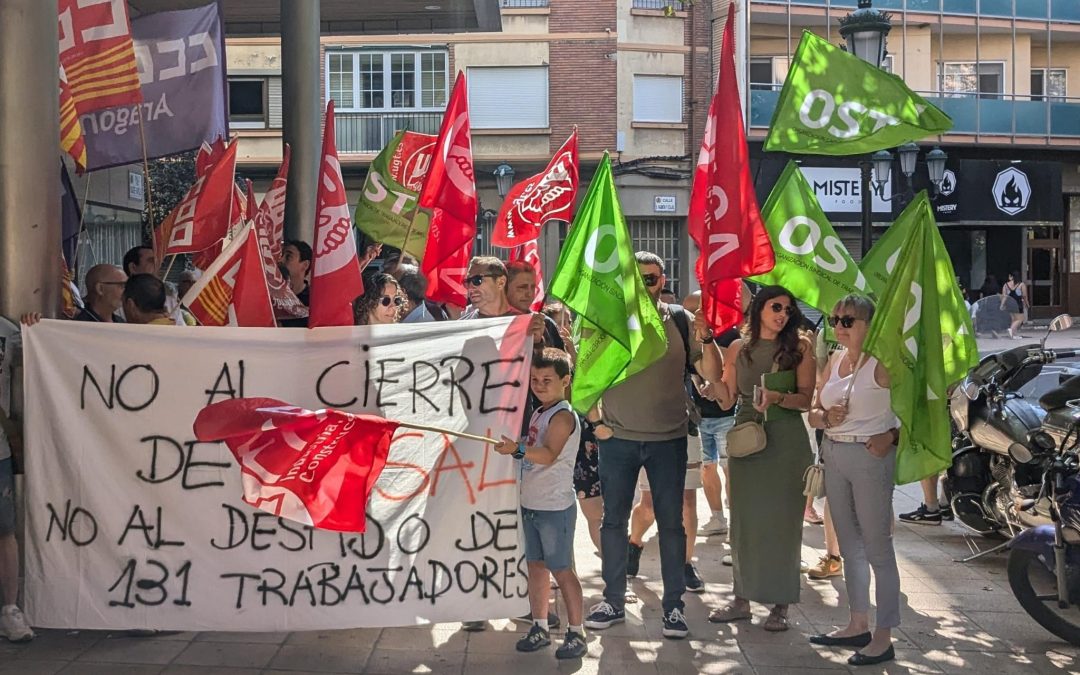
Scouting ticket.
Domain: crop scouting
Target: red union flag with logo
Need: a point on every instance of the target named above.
(549, 195)
(450, 194)
(723, 218)
(335, 268)
(233, 291)
(97, 54)
(202, 218)
(313, 467)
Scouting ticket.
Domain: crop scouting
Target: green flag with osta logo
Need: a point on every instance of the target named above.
(834, 103)
(811, 261)
(880, 261)
(922, 334)
(597, 277)
(387, 209)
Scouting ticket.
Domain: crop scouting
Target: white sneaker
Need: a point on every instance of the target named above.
(716, 525)
(14, 626)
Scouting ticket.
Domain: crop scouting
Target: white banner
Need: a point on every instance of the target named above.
(839, 189)
(132, 523)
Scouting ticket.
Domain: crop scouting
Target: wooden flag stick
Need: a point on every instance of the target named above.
(462, 434)
(169, 268)
(147, 186)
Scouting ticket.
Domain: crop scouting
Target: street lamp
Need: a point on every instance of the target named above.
(504, 179)
(865, 31)
(935, 166)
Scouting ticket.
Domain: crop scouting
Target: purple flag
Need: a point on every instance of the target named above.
(70, 217)
(181, 57)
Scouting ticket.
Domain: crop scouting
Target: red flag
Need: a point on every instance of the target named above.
(271, 216)
(202, 218)
(530, 253)
(723, 218)
(250, 207)
(97, 54)
(335, 268)
(549, 195)
(232, 291)
(209, 154)
(314, 467)
(284, 301)
(450, 192)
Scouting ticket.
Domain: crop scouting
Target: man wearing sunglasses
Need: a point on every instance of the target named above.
(644, 423)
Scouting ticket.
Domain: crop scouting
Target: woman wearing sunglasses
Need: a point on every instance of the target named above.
(853, 407)
(766, 486)
(381, 302)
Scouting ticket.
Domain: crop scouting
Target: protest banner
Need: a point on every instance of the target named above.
(132, 523)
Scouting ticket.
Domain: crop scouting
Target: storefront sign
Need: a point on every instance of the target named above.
(664, 204)
(838, 190)
(988, 191)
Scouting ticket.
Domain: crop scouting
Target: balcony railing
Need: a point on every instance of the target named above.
(370, 132)
(518, 4)
(676, 5)
(1056, 10)
(1006, 116)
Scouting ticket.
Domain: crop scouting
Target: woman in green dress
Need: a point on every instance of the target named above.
(766, 487)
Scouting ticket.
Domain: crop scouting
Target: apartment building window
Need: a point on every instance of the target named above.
(255, 102)
(513, 97)
(658, 98)
(1055, 89)
(987, 80)
(369, 81)
(768, 72)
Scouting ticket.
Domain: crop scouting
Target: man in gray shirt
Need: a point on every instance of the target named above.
(645, 423)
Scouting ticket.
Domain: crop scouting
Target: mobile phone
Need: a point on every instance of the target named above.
(758, 395)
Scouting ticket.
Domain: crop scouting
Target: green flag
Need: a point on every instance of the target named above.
(880, 261)
(387, 204)
(922, 334)
(597, 277)
(811, 261)
(834, 103)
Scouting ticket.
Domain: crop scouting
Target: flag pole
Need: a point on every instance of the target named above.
(451, 432)
(168, 269)
(78, 237)
(149, 190)
(409, 229)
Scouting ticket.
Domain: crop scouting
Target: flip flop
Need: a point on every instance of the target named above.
(729, 613)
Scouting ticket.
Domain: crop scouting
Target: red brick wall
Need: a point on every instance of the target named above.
(583, 74)
(697, 73)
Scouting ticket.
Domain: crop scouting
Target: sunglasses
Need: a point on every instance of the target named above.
(386, 300)
(477, 279)
(778, 307)
(650, 279)
(847, 321)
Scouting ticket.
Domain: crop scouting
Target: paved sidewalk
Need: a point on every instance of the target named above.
(956, 618)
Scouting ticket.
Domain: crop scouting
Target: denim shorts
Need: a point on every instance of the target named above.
(714, 439)
(7, 498)
(549, 537)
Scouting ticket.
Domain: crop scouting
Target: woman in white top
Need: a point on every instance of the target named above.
(852, 405)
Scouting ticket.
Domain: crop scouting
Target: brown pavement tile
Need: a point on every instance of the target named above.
(132, 650)
(55, 644)
(907, 661)
(397, 661)
(945, 630)
(1016, 629)
(232, 654)
(791, 656)
(769, 670)
(83, 668)
(251, 638)
(208, 670)
(312, 658)
(31, 667)
(441, 637)
(353, 639)
(952, 661)
(489, 664)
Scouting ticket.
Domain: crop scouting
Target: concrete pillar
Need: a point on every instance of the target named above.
(301, 111)
(29, 158)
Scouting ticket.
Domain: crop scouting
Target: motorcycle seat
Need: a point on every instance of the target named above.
(1055, 399)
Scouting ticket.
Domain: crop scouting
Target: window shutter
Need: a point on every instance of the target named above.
(658, 98)
(273, 97)
(508, 98)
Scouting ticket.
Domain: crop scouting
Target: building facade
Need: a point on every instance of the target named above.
(1005, 71)
(633, 78)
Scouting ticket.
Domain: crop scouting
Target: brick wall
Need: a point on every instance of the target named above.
(697, 73)
(582, 74)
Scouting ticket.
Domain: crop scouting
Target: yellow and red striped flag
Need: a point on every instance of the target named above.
(71, 133)
(98, 55)
(232, 291)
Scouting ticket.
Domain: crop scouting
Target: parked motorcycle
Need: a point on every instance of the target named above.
(1044, 561)
(1000, 445)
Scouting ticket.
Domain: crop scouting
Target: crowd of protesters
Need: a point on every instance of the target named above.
(639, 456)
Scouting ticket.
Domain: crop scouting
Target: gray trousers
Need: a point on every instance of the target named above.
(859, 487)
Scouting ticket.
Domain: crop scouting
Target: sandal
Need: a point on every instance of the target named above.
(812, 517)
(729, 613)
(777, 621)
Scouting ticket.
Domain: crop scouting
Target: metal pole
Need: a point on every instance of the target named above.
(866, 195)
(300, 98)
(29, 148)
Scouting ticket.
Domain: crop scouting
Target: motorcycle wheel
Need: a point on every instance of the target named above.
(1035, 587)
